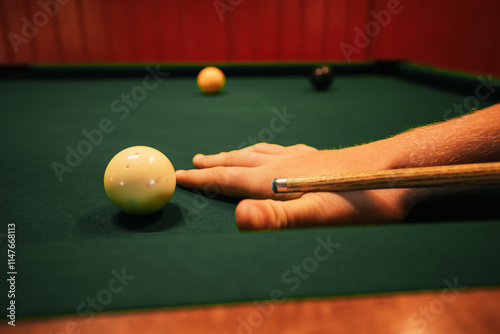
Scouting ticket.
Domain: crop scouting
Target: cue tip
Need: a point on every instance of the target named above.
(279, 185)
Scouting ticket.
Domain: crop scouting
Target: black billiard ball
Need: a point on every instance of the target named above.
(321, 77)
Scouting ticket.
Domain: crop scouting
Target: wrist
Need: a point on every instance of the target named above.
(393, 153)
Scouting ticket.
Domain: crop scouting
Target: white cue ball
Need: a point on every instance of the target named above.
(139, 180)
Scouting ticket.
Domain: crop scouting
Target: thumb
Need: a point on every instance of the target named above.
(270, 214)
(323, 209)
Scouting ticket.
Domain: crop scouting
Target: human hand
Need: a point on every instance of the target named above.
(248, 173)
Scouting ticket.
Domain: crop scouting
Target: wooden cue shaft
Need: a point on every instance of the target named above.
(478, 174)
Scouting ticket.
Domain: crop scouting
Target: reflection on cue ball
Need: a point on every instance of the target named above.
(211, 80)
(139, 180)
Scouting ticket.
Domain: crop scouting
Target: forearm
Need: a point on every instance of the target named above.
(474, 137)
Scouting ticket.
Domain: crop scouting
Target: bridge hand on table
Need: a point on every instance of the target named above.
(247, 173)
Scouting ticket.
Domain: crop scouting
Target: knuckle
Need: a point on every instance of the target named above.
(302, 146)
(261, 145)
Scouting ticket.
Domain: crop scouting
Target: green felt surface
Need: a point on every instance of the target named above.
(70, 237)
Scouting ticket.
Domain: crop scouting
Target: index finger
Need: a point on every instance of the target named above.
(242, 182)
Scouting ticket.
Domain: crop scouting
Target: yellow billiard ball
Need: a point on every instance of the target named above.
(211, 80)
(139, 180)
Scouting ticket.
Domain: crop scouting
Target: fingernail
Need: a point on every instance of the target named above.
(179, 171)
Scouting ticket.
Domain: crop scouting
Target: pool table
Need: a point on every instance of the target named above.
(79, 262)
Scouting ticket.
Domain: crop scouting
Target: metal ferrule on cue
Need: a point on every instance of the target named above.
(280, 185)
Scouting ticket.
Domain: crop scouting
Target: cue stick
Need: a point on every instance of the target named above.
(478, 174)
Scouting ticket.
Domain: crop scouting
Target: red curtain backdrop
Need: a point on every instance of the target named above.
(455, 34)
